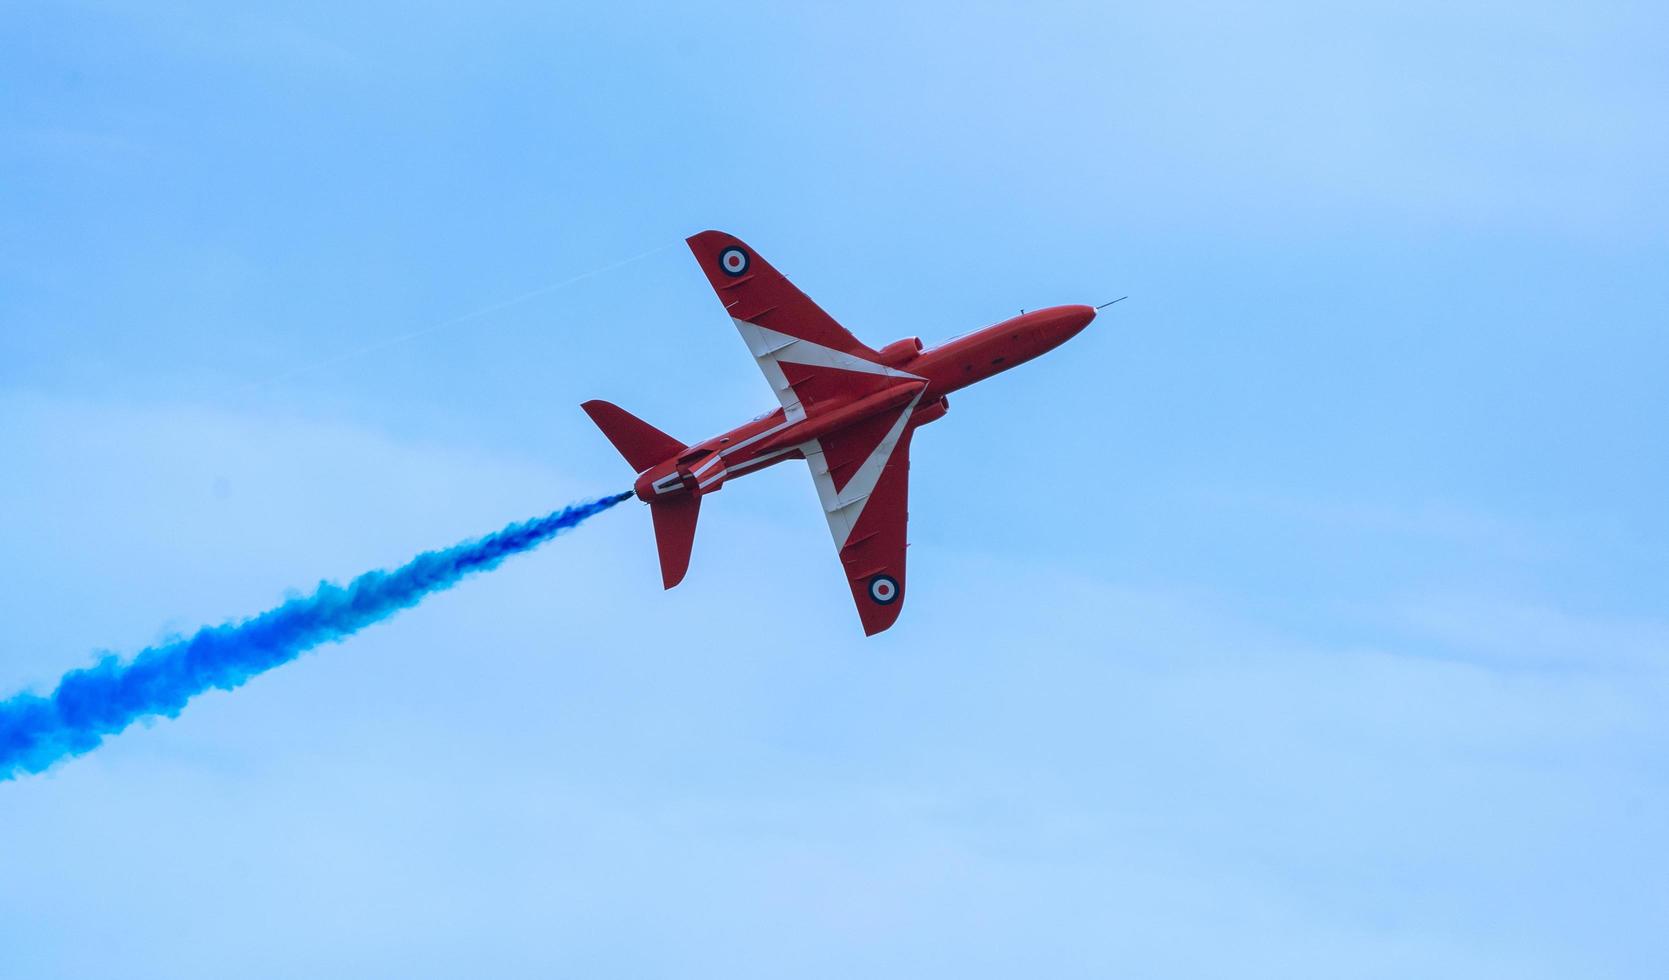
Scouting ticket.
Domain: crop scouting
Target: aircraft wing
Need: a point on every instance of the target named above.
(862, 474)
(806, 357)
(862, 471)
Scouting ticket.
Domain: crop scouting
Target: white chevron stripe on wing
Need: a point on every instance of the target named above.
(842, 508)
(771, 348)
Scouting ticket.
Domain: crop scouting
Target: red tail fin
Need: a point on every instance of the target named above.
(642, 444)
(675, 534)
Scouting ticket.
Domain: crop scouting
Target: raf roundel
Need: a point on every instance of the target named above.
(883, 589)
(733, 261)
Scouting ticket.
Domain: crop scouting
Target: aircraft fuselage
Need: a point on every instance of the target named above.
(926, 375)
(848, 409)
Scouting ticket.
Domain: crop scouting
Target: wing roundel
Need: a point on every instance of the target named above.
(873, 555)
(862, 475)
(862, 470)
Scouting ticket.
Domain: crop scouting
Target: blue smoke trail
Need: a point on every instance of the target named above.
(103, 699)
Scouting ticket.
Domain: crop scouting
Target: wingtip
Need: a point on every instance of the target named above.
(707, 235)
(879, 619)
(875, 629)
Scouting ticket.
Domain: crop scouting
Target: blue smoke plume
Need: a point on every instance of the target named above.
(103, 699)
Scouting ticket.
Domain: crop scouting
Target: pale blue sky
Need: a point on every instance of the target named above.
(1305, 616)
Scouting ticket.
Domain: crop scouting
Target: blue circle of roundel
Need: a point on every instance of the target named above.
(733, 261)
(883, 589)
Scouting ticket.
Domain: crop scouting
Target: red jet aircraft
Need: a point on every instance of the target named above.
(846, 409)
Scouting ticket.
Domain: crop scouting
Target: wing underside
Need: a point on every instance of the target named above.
(862, 475)
(806, 357)
(861, 470)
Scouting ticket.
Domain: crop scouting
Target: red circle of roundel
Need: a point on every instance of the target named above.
(733, 261)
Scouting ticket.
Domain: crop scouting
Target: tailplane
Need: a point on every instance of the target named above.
(642, 444)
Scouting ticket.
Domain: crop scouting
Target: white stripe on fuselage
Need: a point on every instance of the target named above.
(662, 486)
(750, 440)
(763, 457)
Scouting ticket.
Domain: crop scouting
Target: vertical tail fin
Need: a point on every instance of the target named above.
(642, 444)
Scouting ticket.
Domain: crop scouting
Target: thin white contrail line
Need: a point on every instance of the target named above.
(444, 324)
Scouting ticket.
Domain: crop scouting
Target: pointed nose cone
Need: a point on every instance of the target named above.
(1075, 319)
(1061, 323)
